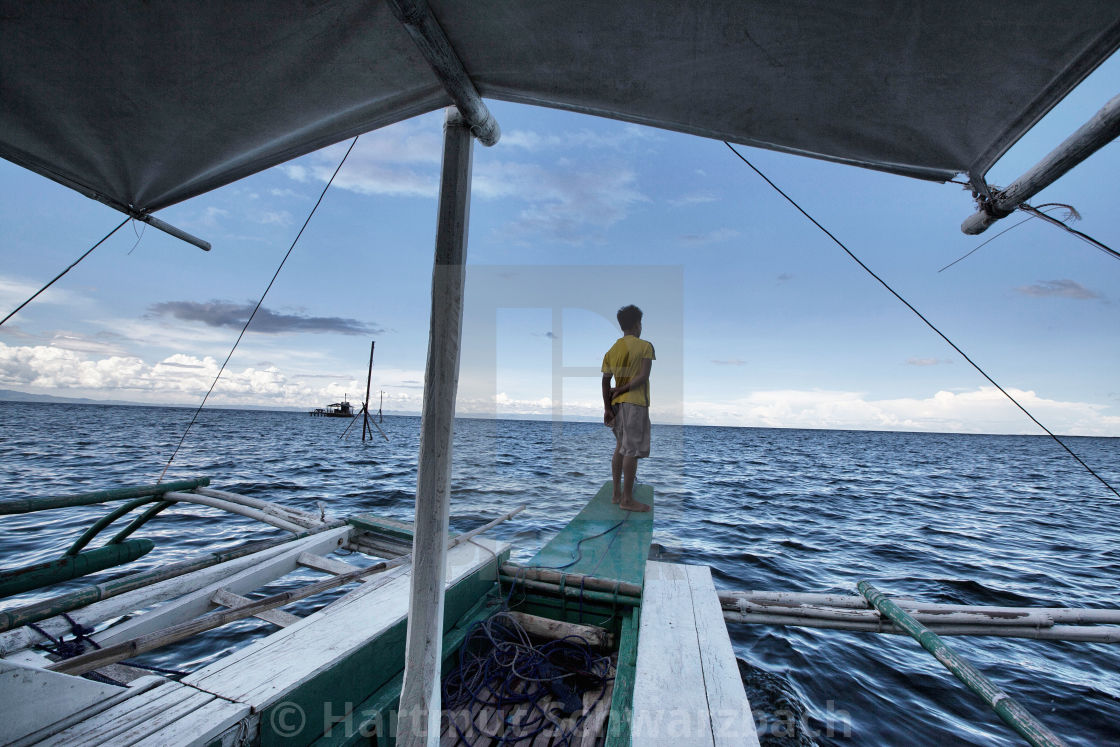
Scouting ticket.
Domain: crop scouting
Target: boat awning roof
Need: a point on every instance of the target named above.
(142, 104)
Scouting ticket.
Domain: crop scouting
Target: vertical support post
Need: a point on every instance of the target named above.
(365, 405)
(420, 692)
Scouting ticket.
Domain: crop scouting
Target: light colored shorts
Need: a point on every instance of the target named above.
(631, 428)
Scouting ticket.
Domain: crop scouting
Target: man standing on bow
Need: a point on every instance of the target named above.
(626, 405)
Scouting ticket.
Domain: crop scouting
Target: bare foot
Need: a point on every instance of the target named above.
(615, 496)
(632, 505)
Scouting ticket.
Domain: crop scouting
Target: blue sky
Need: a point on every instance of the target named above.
(758, 319)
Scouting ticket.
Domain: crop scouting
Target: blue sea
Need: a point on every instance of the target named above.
(965, 519)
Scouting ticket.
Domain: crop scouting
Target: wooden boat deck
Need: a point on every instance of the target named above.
(298, 682)
(687, 688)
(603, 540)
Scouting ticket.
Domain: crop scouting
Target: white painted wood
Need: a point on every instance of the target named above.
(233, 508)
(198, 602)
(138, 599)
(325, 564)
(373, 584)
(137, 686)
(165, 717)
(278, 617)
(25, 693)
(218, 720)
(687, 687)
(295, 515)
(420, 692)
(378, 547)
(263, 672)
(105, 726)
(732, 720)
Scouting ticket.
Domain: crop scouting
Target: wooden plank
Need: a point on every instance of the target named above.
(688, 686)
(25, 689)
(263, 672)
(731, 717)
(279, 617)
(543, 627)
(590, 733)
(619, 728)
(165, 717)
(105, 726)
(401, 530)
(325, 564)
(203, 726)
(603, 540)
(190, 606)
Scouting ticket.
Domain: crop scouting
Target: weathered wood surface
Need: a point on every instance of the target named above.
(24, 690)
(554, 630)
(197, 603)
(277, 617)
(63, 718)
(687, 689)
(211, 578)
(171, 713)
(261, 673)
(619, 552)
(325, 564)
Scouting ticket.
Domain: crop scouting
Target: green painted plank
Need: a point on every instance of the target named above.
(379, 525)
(17, 580)
(622, 699)
(619, 552)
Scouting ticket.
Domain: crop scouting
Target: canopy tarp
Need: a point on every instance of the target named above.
(144, 103)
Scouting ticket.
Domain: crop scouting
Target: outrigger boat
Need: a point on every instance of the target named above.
(144, 105)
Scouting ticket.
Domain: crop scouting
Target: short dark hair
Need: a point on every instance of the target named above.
(629, 317)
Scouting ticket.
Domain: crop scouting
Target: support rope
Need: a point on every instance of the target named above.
(68, 269)
(256, 308)
(919, 314)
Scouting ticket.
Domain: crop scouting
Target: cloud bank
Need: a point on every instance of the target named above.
(233, 315)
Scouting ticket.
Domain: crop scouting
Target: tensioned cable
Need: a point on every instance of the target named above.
(982, 244)
(919, 314)
(68, 269)
(256, 308)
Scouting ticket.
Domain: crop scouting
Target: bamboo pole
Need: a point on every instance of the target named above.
(295, 515)
(1100, 130)
(234, 508)
(570, 579)
(420, 691)
(1007, 708)
(740, 601)
(1024, 617)
(574, 592)
(365, 405)
(1083, 633)
(127, 649)
(27, 505)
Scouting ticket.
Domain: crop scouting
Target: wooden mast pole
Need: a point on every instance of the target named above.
(419, 713)
(365, 405)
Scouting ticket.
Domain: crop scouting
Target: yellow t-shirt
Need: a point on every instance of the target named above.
(624, 362)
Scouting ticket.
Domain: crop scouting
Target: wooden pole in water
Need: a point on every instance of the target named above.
(365, 405)
(420, 691)
(1008, 709)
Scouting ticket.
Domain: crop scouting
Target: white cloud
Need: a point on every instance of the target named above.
(983, 410)
(696, 198)
(576, 139)
(1059, 289)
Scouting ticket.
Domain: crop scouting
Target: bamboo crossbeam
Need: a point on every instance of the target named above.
(788, 601)
(47, 573)
(1083, 633)
(573, 592)
(571, 579)
(1025, 617)
(234, 508)
(127, 649)
(296, 515)
(27, 505)
(1006, 707)
(1100, 130)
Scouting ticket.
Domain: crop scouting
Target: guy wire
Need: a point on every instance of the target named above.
(68, 269)
(919, 314)
(256, 308)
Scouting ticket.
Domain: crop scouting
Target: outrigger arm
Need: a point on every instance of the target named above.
(1098, 132)
(419, 713)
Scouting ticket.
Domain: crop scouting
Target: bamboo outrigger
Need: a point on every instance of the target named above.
(771, 76)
